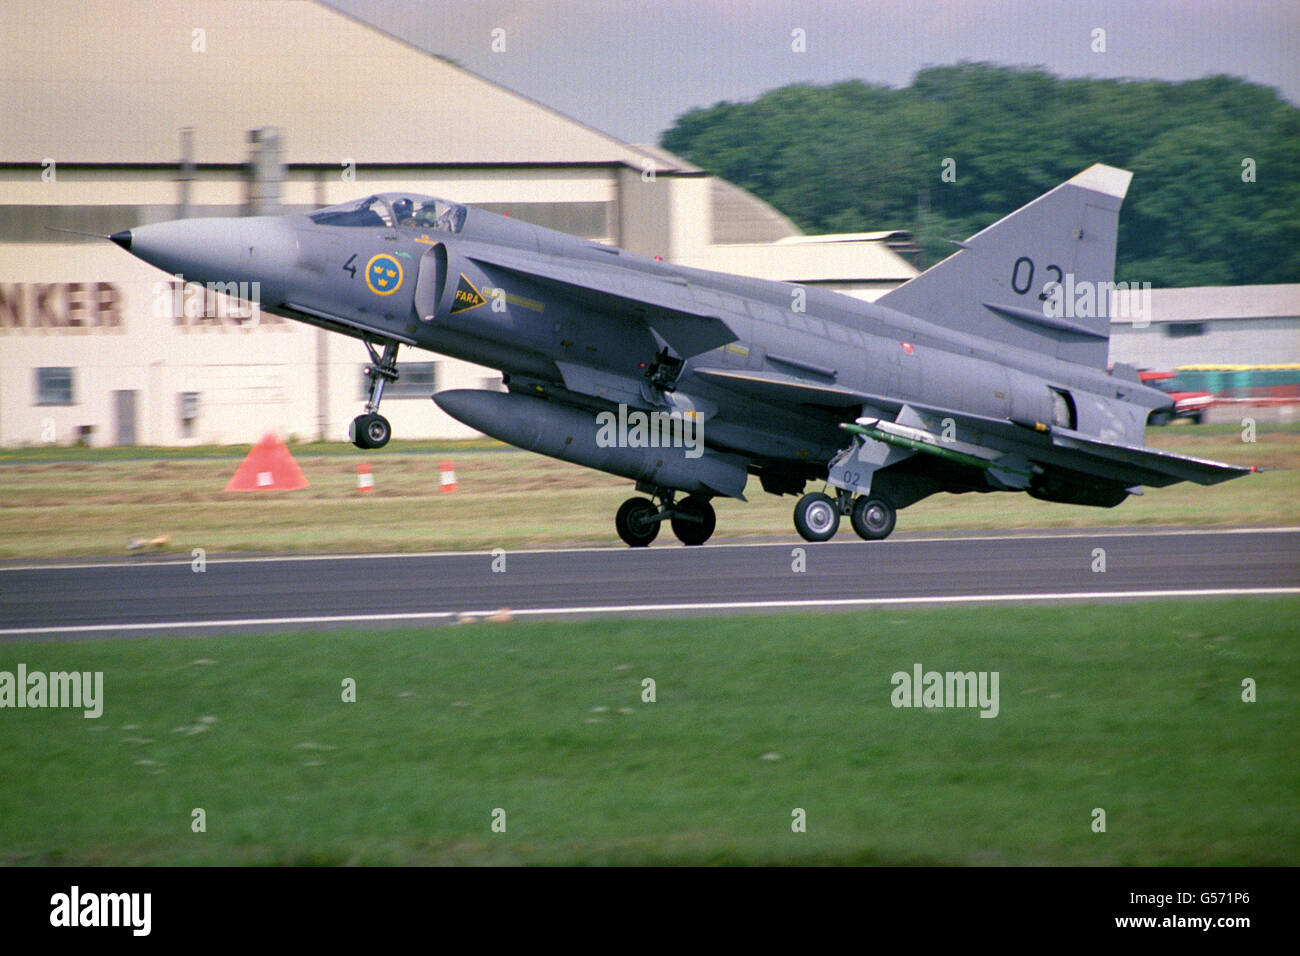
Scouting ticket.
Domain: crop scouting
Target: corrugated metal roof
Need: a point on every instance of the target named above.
(112, 81)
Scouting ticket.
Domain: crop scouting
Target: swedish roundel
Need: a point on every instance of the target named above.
(383, 274)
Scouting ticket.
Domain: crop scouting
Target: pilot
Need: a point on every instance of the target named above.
(402, 210)
(446, 219)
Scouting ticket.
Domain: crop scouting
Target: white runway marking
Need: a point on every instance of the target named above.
(646, 608)
(793, 542)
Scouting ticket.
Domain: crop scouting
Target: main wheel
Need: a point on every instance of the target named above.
(636, 522)
(873, 517)
(694, 521)
(816, 517)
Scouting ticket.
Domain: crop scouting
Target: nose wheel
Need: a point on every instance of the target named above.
(370, 429)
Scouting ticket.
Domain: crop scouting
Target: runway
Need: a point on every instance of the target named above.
(125, 598)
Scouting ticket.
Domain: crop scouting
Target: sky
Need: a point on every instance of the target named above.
(630, 67)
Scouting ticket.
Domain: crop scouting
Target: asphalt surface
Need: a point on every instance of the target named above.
(258, 594)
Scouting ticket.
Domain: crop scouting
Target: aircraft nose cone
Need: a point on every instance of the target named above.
(199, 249)
(218, 250)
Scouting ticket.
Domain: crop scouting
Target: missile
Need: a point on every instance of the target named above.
(916, 439)
(574, 434)
(1009, 471)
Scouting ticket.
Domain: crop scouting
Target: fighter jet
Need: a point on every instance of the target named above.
(988, 372)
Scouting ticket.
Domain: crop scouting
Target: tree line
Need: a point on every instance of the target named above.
(1215, 198)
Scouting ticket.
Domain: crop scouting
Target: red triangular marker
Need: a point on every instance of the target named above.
(268, 467)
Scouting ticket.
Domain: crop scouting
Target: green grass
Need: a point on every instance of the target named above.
(1132, 708)
(54, 507)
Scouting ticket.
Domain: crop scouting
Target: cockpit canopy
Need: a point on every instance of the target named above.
(402, 210)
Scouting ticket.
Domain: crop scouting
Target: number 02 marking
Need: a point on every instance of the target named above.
(1022, 277)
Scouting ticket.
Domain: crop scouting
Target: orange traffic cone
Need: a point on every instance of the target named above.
(365, 478)
(446, 477)
(268, 467)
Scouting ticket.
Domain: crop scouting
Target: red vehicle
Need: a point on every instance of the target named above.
(1189, 405)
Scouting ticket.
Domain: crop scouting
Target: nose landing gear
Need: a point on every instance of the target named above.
(371, 430)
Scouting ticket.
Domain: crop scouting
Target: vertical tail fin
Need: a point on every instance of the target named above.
(1037, 279)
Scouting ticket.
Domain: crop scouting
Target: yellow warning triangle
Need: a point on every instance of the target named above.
(467, 297)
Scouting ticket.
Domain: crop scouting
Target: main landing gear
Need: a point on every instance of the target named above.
(817, 516)
(371, 430)
(692, 519)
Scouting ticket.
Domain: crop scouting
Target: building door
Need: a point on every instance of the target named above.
(124, 407)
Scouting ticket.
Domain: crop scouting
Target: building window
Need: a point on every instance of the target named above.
(189, 408)
(418, 380)
(1184, 330)
(54, 386)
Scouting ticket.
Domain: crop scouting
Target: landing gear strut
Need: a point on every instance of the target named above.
(371, 430)
(692, 519)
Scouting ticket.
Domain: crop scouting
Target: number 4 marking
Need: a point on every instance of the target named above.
(349, 267)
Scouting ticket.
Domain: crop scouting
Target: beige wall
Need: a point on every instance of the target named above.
(1226, 342)
(643, 214)
(107, 316)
